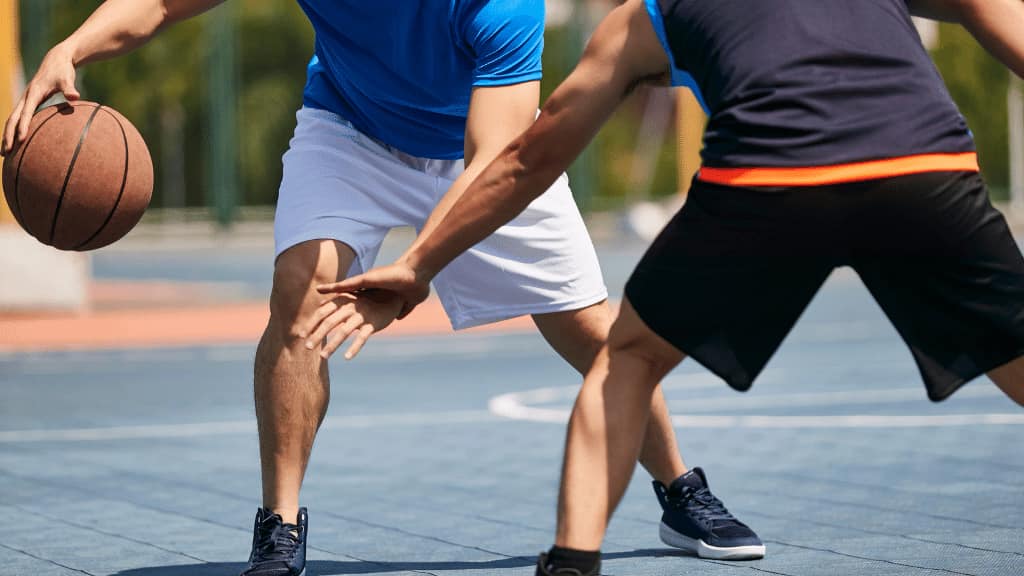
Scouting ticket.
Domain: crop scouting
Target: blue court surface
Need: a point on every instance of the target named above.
(441, 454)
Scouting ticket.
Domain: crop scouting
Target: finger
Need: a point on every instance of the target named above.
(322, 311)
(11, 125)
(361, 337)
(32, 100)
(353, 284)
(67, 86)
(329, 324)
(340, 334)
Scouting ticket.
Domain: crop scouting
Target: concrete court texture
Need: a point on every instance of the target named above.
(128, 443)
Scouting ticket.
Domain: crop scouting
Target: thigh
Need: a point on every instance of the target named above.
(340, 185)
(949, 275)
(541, 262)
(729, 276)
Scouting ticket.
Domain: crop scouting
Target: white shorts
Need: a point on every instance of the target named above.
(342, 185)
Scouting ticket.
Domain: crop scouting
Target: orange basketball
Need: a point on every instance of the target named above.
(81, 179)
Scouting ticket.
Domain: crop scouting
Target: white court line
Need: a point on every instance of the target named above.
(524, 406)
(237, 427)
(844, 397)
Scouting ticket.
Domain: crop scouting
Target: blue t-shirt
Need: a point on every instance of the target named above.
(402, 71)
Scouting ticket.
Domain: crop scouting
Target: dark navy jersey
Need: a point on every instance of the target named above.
(804, 83)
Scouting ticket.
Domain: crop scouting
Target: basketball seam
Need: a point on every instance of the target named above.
(16, 208)
(71, 168)
(124, 182)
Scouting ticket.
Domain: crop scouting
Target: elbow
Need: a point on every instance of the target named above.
(517, 166)
(540, 151)
(525, 173)
(169, 13)
(165, 17)
(525, 161)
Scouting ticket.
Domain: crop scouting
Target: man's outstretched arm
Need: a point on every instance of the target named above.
(116, 27)
(497, 114)
(998, 25)
(623, 52)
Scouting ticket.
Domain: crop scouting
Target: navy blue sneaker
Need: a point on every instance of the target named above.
(695, 520)
(278, 549)
(544, 569)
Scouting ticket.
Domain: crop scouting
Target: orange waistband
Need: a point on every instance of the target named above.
(839, 173)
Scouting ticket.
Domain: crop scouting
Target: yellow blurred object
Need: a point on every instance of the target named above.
(10, 72)
(690, 121)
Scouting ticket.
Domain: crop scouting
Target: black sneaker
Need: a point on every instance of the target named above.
(278, 549)
(697, 521)
(543, 569)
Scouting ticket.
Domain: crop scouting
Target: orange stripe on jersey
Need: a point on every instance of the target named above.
(839, 173)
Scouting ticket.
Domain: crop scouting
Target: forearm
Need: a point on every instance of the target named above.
(622, 52)
(521, 173)
(455, 192)
(999, 26)
(499, 194)
(120, 26)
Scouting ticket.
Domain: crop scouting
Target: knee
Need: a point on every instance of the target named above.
(294, 294)
(632, 344)
(1014, 391)
(1010, 379)
(646, 355)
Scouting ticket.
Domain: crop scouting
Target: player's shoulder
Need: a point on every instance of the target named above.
(489, 12)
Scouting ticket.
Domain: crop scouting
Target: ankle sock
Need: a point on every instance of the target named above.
(582, 560)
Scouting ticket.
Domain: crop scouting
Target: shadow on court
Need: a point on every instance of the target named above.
(333, 567)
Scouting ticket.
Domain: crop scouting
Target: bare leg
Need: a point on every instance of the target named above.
(578, 336)
(291, 383)
(608, 427)
(1010, 379)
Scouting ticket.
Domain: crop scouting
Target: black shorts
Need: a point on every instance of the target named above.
(728, 277)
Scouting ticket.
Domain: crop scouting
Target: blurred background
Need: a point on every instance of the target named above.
(241, 68)
(215, 99)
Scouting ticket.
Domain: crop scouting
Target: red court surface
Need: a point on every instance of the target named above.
(142, 314)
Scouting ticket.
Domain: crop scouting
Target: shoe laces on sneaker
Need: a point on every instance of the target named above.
(276, 541)
(702, 504)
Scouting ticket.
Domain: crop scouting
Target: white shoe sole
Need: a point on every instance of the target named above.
(677, 540)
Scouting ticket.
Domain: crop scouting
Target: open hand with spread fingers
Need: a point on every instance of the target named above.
(357, 315)
(364, 305)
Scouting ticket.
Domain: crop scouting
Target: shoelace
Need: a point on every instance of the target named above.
(279, 543)
(705, 505)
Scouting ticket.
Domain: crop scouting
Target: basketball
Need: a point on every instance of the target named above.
(81, 179)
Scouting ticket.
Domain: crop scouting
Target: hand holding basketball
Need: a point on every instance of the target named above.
(81, 178)
(55, 74)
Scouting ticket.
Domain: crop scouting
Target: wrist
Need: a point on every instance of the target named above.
(422, 271)
(67, 51)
